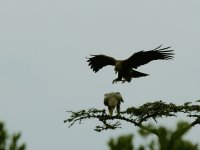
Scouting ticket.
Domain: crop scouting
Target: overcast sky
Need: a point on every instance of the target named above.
(43, 69)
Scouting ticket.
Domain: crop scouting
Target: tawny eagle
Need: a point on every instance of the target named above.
(113, 100)
(124, 68)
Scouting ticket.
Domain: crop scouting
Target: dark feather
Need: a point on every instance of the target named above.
(96, 62)
(144, 57)
(137, 74)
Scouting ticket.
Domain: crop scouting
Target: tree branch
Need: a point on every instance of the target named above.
(136, 116)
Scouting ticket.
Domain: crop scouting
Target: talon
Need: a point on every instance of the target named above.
(115, 81)
(123, 81)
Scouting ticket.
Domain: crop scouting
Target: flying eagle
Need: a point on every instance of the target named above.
(113, 100)
(124, 68)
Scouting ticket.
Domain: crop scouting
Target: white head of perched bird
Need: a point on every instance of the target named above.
(113, 100)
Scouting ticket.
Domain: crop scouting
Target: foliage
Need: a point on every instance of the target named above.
(122, 143)
(167, 140)
(9, 142)
(137, 116)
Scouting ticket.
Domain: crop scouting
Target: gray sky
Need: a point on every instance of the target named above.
(43, 70)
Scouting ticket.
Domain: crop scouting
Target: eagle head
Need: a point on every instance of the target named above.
(118, 66)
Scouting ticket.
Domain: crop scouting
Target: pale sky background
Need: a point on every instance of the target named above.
(43, 69)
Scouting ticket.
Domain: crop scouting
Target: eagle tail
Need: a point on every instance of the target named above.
(137, 74)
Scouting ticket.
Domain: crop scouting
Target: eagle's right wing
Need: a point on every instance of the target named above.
(97, 62)
(144, 57)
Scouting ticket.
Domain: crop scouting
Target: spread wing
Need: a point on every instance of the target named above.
(144, 57)
(97, 62)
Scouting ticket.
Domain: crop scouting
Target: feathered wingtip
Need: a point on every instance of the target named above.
(165, 52)
(88, 59)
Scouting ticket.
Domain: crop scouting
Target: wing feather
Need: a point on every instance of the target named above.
(144, 57)
(96, 62)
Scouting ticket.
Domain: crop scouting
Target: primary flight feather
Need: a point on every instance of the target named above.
(124, 68)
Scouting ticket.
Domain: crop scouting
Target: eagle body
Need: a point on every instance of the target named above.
(113, 100)
(126, 73)
(126, 68)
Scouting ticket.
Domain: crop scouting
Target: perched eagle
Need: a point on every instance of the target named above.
(124, 68)
(113, 100)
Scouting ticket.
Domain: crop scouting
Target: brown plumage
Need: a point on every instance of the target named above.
(124, 68)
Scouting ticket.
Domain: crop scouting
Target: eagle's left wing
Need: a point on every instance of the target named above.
(144, 57)
(96, 62)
